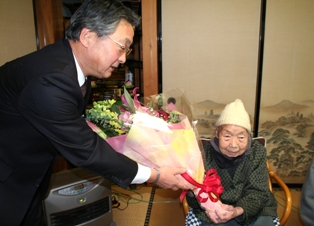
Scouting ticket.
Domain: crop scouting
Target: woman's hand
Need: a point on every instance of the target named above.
(228, 213)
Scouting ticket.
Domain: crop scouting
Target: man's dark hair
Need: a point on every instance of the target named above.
(101, 17)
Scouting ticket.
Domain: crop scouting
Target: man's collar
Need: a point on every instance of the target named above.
(80, 76)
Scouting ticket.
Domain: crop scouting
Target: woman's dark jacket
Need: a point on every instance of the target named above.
(245, 184)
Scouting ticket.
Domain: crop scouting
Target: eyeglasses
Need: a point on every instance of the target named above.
(122, 47)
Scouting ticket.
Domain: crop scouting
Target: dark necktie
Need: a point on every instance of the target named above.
(84, 88)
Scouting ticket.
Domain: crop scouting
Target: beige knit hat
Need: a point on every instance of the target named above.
(235, 114)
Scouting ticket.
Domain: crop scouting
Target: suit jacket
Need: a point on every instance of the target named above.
(41, 107)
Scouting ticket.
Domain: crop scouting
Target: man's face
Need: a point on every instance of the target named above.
(233, 140)
(104, 54)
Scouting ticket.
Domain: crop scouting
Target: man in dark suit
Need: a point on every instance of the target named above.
(41, 108)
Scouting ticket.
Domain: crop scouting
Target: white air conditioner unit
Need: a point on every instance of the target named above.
(78, 197)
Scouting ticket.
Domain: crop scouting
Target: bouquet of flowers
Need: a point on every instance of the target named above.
(156, 135)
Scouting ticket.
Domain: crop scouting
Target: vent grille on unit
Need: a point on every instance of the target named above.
(81, 214)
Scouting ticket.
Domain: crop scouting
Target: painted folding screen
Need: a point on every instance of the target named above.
(287, 96)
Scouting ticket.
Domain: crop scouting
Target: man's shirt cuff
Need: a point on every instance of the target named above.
(143, 174)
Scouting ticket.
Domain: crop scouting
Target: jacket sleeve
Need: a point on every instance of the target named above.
(256, 192)
(53, 104)
(307, 197)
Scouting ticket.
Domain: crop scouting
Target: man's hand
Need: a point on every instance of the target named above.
(170, 178)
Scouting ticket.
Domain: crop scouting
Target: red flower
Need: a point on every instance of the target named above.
(163, 114)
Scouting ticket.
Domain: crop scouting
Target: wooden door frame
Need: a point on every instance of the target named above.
(48, 21)
(150, 47)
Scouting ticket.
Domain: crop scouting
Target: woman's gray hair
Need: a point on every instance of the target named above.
(101, 17)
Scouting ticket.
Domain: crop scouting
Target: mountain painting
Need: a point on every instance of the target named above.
(288, 128)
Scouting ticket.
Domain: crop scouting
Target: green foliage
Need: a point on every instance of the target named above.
(129, 100)
(173, 117)
(105, 114)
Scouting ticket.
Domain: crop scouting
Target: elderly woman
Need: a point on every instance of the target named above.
(241, 164)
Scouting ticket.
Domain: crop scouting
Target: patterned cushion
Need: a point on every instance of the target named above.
(192, 220)
(276, 221)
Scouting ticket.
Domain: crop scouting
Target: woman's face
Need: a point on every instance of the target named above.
(233, 140)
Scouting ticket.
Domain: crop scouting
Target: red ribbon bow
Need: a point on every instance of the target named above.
(211, 185)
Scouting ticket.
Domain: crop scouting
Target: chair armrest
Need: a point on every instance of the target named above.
(186, 207)
(287, 192)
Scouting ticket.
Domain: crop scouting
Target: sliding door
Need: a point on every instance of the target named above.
(210, 50)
